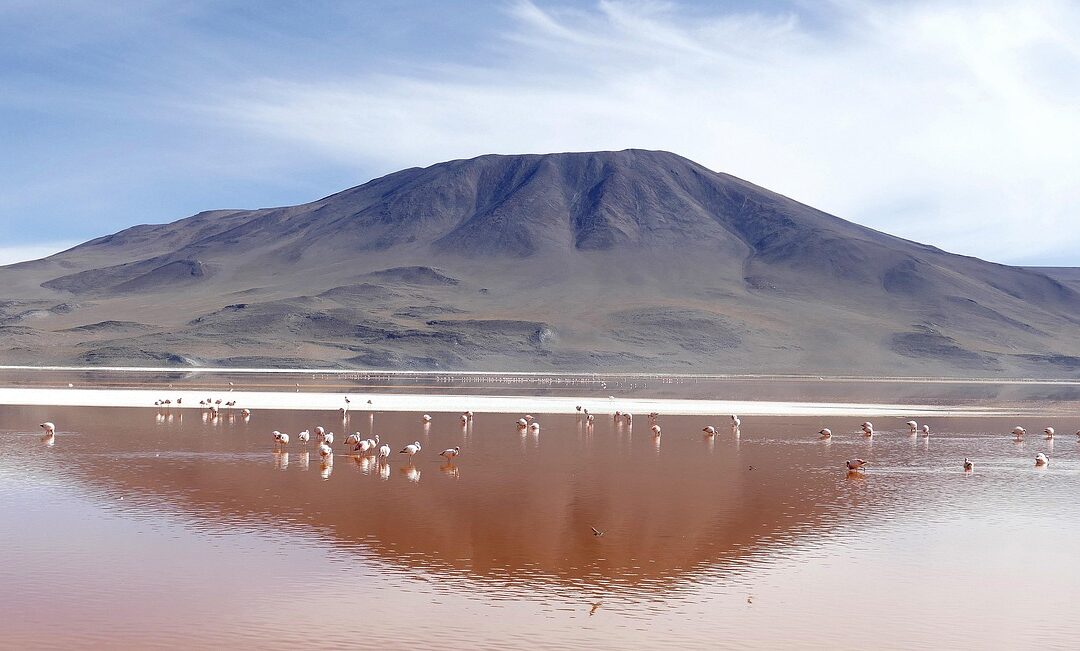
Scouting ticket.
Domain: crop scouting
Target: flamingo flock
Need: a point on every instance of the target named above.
(867, 430)
(380, 450)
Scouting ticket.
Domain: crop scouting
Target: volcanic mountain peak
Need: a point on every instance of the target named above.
(599, 260)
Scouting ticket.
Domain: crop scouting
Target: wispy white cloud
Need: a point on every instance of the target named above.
(950, 122)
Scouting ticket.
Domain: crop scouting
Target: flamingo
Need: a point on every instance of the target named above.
(590, 419)
(535, 427)
(319, 433)
(367, 445)
(926, 430)
(1049, 431)
(735, 422)
(353, 439)
(521, 422)
(245, 412)
(826, 433)
(1019, 432)
(656, 430)
(1041, 459)
(913, 426)
(304, 436)
(384, 452)
(328, 438)
(868, 429)
(578, 407)
(469, 415)
(425, 418)
(628, 418)
(450, 453)
(855, 464)
(968, 465)
(282, 439)
(464, 419)
(50, 429)
(325, 451)
(709, 429)
(411, 449)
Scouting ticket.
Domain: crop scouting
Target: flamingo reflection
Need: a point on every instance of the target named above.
(411, 472)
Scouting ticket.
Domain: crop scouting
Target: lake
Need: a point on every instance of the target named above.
(139, 528)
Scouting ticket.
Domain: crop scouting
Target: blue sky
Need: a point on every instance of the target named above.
(948, 122)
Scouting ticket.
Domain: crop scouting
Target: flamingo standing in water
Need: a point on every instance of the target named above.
(1049, 431)
(868, 429)
(855, 464)
(826, 433)
(384, 452)
(411, 449)
(968, 465)
(450, 453)
(367, 445)
(656, 431)
(926, 430)
(913, 426)
(1019, 432)
(735, 422)
(425, 418)
(50, 429)
(325, 451)
(1041, 459)
(353, 439)
(709, 429)
(280, 438)
(304, 436)
(535, 427)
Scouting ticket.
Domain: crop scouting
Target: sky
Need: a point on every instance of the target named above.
(949, 122)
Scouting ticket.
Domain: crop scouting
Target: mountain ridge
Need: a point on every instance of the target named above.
(615, 259)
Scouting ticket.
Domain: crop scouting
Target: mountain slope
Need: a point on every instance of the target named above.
(631, 260)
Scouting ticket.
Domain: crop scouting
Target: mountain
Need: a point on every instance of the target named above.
(622, 261)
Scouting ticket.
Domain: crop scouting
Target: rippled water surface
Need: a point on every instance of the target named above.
(138, 529)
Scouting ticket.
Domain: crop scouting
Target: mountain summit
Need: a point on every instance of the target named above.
(629, 260)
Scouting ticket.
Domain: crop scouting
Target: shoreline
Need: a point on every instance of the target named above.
(456, 403)
(329, 372)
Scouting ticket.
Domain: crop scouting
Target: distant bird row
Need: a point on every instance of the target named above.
(211, 405)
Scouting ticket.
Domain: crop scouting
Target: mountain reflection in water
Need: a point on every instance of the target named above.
(766, 522)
